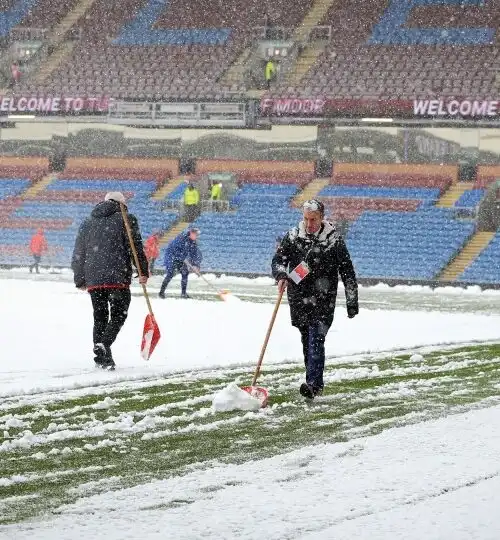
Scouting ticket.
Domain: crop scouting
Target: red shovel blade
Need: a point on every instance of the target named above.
(258, 392)
(150, 337)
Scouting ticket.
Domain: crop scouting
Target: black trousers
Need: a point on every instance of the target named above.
(110, 313)
(192, 212)
(36, 262)
(313, 346)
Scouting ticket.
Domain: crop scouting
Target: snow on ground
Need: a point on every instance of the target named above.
(48, 329)
(437, 480)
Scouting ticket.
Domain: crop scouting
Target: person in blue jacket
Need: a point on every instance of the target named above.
(181, 250)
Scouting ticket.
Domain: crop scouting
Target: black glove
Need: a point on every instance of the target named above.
(280, 276)
(352, 310)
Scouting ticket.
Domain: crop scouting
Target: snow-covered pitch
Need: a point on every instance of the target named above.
(438, 479)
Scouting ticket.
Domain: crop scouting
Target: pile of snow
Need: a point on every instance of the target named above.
(228, 297)
(106, 403)
(232, 398)
(416, 357)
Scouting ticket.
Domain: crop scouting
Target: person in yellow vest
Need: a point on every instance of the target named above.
(191, 202)
(215, 196)
(269, 72)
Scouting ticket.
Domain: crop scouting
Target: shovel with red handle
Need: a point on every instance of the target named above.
(151, 333)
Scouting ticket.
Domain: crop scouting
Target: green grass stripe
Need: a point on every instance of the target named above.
(86, 440)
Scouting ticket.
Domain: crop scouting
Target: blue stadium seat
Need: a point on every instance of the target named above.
(470, 199)
(13, 16)
(244, 241)
(10, 187)
(404, 245)
(178, 192)
(149, 213)
(427, 194)
(140, 31)
(393, 30)
(486, 267)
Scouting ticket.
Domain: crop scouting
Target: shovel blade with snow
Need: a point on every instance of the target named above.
(259, 393)
(150, 337)
(223, 294)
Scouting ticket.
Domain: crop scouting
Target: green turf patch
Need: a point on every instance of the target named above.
(69, 444)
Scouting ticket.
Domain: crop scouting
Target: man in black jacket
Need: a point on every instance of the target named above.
(307, 263)
(102, 264)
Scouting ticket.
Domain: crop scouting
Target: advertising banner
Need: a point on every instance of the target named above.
(53, 104)
(467, 109)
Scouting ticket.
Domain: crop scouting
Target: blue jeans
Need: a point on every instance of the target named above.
(171, 270)
(313, 346)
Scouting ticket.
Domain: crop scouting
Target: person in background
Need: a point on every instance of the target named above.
(269, 72)
(215, 196)
(152, 250)
(15, 73)
(307, 264)
(38, 246)
(102, 265)
(191, 202)
(182, 255)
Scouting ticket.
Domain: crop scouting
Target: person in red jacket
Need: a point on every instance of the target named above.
(38, 246)
(152, 250)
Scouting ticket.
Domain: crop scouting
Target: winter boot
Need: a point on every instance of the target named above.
(185, 295)
(161, 295)
(309, 392)
(103, 357)
(100, 353)
(306, 391)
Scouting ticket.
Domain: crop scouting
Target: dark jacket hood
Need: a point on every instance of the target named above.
(105, 209)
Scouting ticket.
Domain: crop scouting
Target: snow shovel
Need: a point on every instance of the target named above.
(151, 333)
(257, 391)
(223, 294)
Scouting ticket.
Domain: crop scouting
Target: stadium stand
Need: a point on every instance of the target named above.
(409, 50)
(12, 13)
(145, 49)
(268, 172)
(486, 175)
(177, 193)
(416, 245)
(46, 14)
(132, 168)
(394, 174)
(33, 168)
(484, 269)
(396, 232)
(358, 187)
(64, 202)
(244, 242)
(470, 199)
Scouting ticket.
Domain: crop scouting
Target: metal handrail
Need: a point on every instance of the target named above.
(20, 33)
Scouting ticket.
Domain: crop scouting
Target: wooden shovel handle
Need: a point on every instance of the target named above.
(134, 254)
(268, 335)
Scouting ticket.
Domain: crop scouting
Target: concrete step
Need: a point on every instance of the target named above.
(471, 250)
(173, 232)
(54, 60)
(33, 191)
(164, 191)
(453, 193)
(310, 191)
